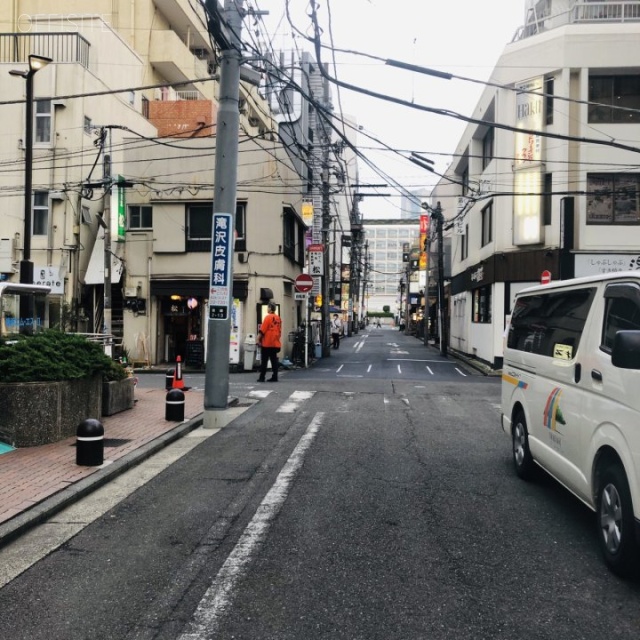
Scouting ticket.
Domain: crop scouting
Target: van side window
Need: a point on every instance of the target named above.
(621, 313)
(550, 324)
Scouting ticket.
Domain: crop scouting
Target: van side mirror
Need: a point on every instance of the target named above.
(626, 350)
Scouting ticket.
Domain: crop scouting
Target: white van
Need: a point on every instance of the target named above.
(571, 399)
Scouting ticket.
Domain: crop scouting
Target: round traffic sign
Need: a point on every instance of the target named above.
(545, 277)
(304, 283)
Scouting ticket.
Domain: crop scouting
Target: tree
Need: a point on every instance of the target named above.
(386, 308)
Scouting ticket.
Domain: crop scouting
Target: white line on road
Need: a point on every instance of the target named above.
(462, 373)
(399, 369)
(295, 400)
(339, 368)
(369, 368)
(219, 595)
(262, 393)
(358, 346)
(418, 360)
(429, 370)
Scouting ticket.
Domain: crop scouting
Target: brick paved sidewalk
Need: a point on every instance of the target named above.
(31, 475)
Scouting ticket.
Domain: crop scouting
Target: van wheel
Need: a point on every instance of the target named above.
(616, 523)
(522, 460)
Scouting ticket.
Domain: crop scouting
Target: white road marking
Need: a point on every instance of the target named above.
(263, 393)
(429, 370)
(386, 400)
(419, 360)
(461, 372)
(398, 352)
(339, 368)
(358, 346)
(295, 400)
(219, 595)
(399, 369)
(369, 368)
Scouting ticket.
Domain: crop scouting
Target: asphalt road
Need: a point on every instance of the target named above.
(374, 507)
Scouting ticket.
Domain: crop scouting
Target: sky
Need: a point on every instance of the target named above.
(462, 37)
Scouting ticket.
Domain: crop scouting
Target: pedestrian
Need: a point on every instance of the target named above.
(378, 323)
(269, 336)
(336, 331)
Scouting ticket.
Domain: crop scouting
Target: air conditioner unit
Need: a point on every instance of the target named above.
(242, 257)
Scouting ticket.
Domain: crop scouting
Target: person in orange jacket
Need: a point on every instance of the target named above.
(269, 336)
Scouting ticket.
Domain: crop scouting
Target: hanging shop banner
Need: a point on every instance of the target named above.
(424, 230)
(316, 262)
(307, 213)
(221, 256)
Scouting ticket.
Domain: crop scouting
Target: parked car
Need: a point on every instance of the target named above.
(571, 399)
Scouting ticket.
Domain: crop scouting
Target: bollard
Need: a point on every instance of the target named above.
(90, 443)
(174, 409)
(169, 379)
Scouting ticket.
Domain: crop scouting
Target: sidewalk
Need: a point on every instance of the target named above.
(36, 482)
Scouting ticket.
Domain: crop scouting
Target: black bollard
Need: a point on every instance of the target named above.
(169, 379)
(90, 443)
(174, 409)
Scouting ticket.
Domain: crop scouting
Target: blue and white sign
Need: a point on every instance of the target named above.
(221, 257)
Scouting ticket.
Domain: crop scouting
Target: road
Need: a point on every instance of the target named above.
(365, 498)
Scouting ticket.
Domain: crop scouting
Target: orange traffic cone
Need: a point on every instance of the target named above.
(178, 383)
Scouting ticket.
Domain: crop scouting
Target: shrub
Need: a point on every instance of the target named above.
(52, 356)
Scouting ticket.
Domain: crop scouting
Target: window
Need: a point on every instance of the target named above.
(612, 198)
(622, 313)
(487, 224)
(548, 100)
(43, 122)
(145, 107)
(140, 216)
(487, 148)
(550, 324)
(199, 221)
(547, 190)
(40, 213)
(609, 92)
(482, 305)
(289, 234)
(464, 243)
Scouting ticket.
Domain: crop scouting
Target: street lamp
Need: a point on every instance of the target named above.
(26, 266)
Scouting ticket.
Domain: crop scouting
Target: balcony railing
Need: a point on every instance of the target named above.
(60, 47)
(580, 13)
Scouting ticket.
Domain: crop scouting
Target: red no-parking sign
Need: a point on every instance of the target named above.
(545, 277)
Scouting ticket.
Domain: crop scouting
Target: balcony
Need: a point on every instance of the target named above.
(185, 22)
(583, 12)
(60, 47)
(171, 57)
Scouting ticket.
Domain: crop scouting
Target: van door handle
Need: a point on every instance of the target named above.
(577, 374)
(596, 375)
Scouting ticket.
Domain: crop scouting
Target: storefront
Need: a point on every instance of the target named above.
(182, 318)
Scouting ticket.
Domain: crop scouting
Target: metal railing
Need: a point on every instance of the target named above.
(60, 47)
(581, 13)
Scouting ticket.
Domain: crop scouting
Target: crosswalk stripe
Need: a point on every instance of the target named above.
(294, 401)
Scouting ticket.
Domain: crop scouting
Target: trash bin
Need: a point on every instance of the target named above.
(249, 351)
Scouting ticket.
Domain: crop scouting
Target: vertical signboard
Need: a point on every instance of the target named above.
(527, 203)
(221, 256)
(424, 229)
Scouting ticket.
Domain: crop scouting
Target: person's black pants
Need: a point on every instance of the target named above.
(336, 340)
(269, 354)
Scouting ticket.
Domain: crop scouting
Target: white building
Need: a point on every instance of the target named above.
(550, 166)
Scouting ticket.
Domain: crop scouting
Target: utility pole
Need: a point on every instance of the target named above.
(216, 389)
(439, 218)
(326, 221)
(106, 217)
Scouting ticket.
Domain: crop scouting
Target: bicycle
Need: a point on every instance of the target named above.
(298, 350)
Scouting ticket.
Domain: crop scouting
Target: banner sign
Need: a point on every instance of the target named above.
(221, 257)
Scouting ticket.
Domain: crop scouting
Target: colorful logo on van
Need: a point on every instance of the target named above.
(552, 412)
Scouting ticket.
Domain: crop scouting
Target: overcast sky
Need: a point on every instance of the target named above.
(463, 37)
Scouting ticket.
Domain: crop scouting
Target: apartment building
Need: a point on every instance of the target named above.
(549, 166)
(158, 56)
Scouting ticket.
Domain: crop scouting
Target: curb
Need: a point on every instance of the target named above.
(40, 512)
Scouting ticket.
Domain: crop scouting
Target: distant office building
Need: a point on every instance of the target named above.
(410, 205)
(384, 260)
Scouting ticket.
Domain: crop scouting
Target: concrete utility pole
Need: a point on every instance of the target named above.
(439, 218)
(106, 217)
(216, 383)
(326, 222)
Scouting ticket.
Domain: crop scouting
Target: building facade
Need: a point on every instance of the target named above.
(547, 166)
